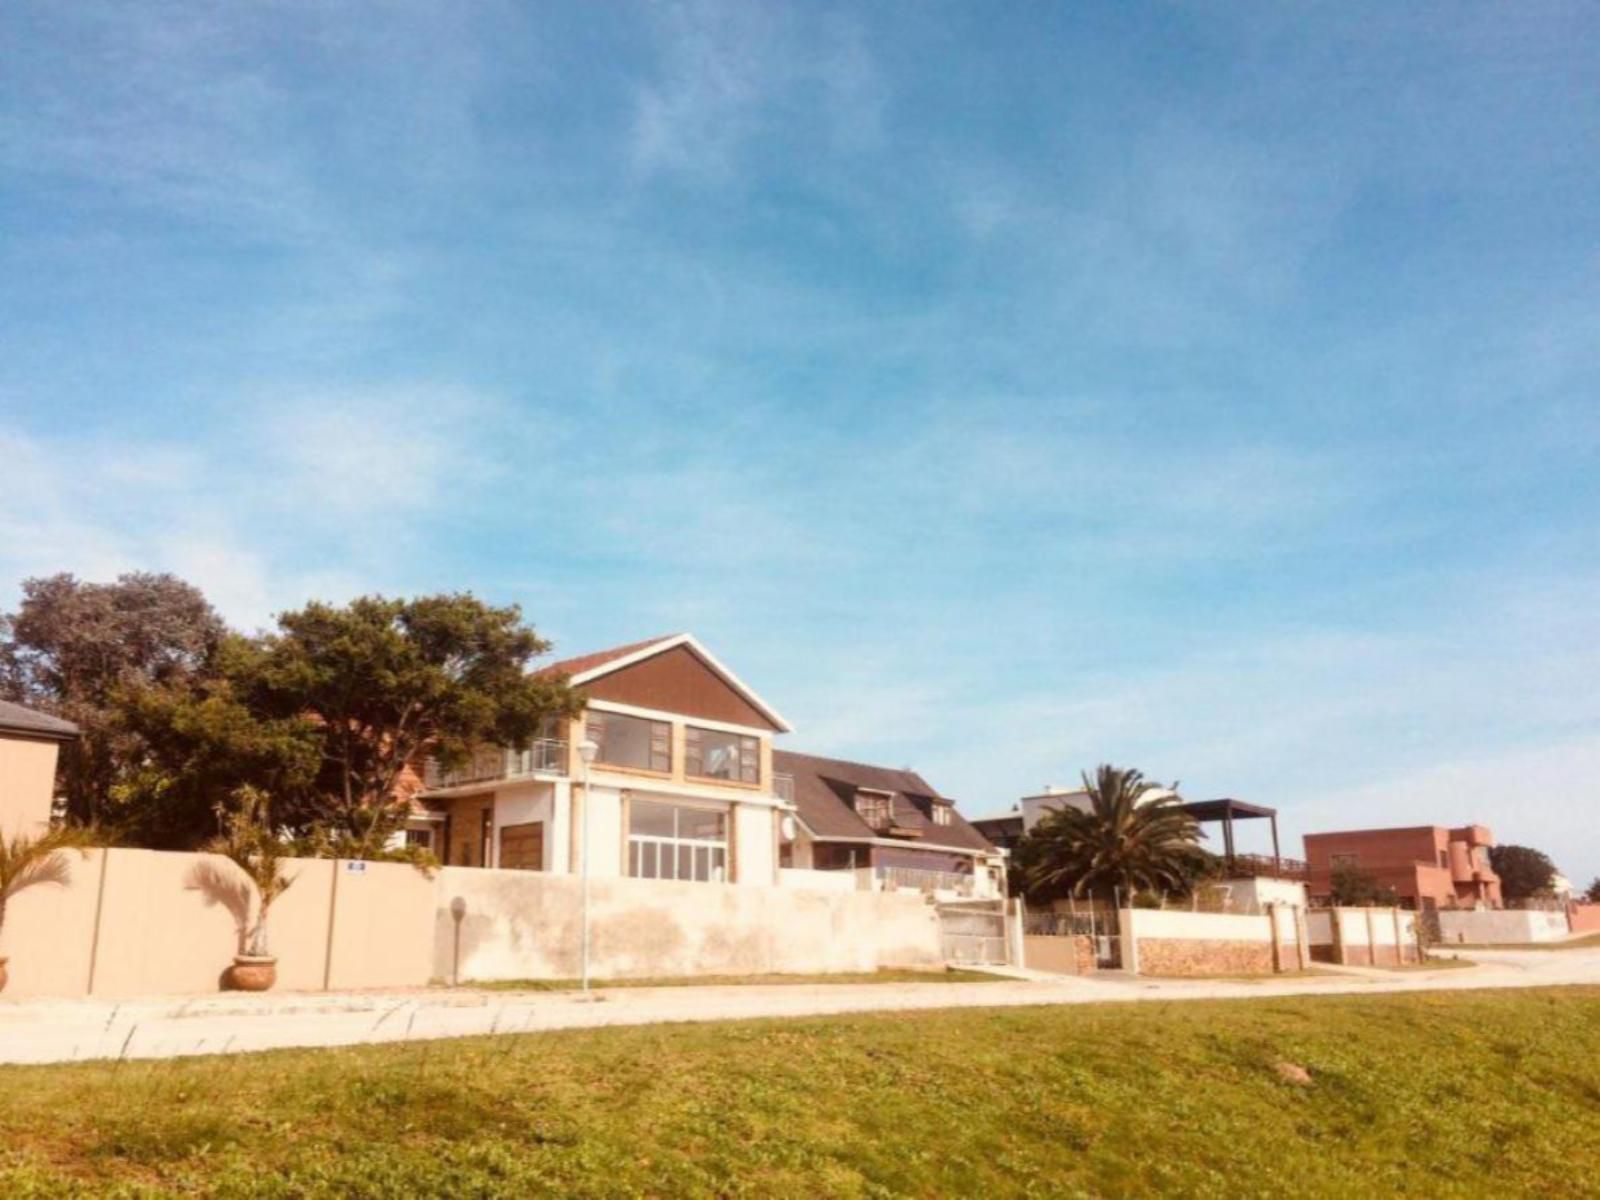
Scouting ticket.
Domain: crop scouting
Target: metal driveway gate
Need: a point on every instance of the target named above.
(974, 933)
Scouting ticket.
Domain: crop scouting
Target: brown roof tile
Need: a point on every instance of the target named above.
(824, 787)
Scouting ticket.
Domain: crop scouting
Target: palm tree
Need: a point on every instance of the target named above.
(1125, 841)
(251, 844)
(28, 861)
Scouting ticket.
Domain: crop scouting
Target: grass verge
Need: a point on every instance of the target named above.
(948, 975)
(1460, 1093)
(1587, 942)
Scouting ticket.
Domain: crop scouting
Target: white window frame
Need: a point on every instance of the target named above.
(707, 858)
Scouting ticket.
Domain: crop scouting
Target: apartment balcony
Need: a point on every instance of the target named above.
(493, 764)
(783, 787)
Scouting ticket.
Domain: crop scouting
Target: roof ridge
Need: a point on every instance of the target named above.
(852, 762)
(593, 658)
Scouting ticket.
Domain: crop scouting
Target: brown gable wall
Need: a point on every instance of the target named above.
(676, 681)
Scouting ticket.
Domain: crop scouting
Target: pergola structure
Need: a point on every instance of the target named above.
(1227, 811)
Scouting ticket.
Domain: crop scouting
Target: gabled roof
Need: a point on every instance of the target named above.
(16, 719)
(584, 664)
(824, 789)
(586, 668)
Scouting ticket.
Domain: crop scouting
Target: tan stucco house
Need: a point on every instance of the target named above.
(686, 785)
(29, 744)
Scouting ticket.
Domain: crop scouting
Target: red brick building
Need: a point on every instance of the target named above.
(1428, 866)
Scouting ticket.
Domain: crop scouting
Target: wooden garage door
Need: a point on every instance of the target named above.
(522, 847)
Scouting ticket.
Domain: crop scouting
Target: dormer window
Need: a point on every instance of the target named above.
(941, 814)
(875, 807)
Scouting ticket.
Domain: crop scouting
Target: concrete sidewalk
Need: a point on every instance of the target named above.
(66, 1030)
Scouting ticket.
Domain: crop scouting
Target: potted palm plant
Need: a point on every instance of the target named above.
(28, 861)
(250, 843)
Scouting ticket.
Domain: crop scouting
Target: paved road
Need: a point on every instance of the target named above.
(65, 1030)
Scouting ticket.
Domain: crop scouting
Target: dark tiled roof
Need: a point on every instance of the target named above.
(16, 719)
(1009, 825)
(824, 788)
(588, 662)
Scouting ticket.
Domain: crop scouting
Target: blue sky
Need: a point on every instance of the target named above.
(999, 390)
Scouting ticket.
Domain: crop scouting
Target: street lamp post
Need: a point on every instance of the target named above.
(587, 752)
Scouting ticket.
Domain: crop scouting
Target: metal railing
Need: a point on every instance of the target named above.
(545, 756)
(917, 880)
(1267, 865)
(783, 787)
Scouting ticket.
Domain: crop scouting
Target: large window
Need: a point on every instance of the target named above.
(713, 754)
(676, 841)
(631, 741)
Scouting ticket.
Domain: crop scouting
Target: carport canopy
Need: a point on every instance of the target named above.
(1227, 811)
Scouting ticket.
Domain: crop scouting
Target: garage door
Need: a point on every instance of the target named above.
(522, 847)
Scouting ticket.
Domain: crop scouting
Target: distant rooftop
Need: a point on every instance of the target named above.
(14, 718)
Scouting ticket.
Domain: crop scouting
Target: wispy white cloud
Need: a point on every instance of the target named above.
(726, 72)
(303, 494)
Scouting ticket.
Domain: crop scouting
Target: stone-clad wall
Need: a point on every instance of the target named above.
(1203, 956)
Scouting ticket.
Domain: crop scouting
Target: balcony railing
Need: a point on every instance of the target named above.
(1267, 865)
(783, 787)
(546, 756)
(915, 879)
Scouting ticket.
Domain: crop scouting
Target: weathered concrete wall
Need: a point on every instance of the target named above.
(27, 783)
(1253, 895)
(1175, 923)
(145, 922)
(148, 922)
(1509, 926)
(1362, 936)
(822, 881)
(1066, 955)
(519, 925)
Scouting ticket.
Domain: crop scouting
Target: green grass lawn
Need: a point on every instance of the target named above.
(948, 975)
(1468, 1093)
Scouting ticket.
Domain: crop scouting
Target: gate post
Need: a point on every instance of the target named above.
(1129, 941)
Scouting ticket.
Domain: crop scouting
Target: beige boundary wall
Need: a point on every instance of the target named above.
(1381, 937)
(1176, 942)
(150, 922)
(1501, 927)
(1060, 954)
(1584, 918)
(147, 922)
(526, 925)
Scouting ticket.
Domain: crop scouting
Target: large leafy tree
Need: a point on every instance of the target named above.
(200, 743)
(1354, 888)
(1125, 841)
(73, 648)
(387, 681)
(1524, 872)
(1592, 894)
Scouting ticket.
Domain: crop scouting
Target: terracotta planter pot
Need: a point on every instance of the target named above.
(251, 974)
(3, 976)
